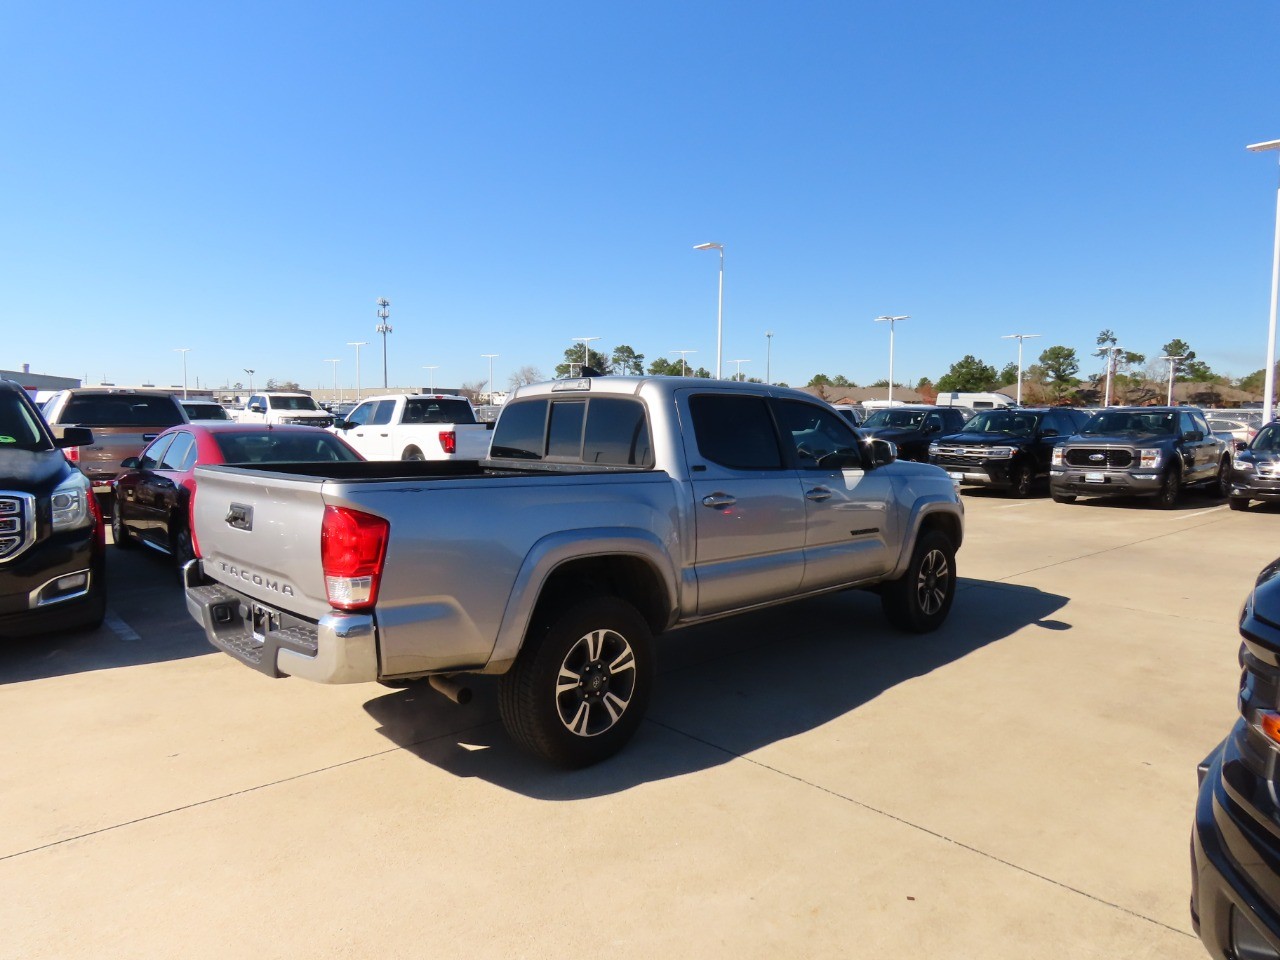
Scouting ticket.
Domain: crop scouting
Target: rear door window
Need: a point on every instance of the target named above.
(151, 456)
(735, 431)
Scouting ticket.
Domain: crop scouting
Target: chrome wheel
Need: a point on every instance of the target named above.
(596, 683)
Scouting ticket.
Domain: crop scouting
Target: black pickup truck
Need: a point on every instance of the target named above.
(1007, 448)
(51, 530)
(1140, 452)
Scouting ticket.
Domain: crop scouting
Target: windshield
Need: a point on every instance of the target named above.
(1131, 421)
(292, 403)
(18, 428)
(1267, 440)
(121, 410)
(897, 419)
(1018, 423)
(205, 411)
(437, 410)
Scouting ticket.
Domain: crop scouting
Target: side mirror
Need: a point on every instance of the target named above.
(1049, 433)
(75, 437)
(341, 424)
(255, 408)
(129, 463)
(1193, 436)
(883, 452)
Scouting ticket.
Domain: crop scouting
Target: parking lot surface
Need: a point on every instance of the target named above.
(808, 782)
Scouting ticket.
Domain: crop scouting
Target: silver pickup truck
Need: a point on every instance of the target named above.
(609, 510)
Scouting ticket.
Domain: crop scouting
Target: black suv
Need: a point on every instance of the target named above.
(912, 426)
(51, 531)
(1141, 452)
(1255, 470)
(1007, 448)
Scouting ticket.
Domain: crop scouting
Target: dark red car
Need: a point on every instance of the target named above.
(153, 495)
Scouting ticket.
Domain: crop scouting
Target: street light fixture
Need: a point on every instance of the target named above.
(1269, 377)
(1173, 365)
(337, 396)
(384, 328)
(891, 321)
(433, 368)
(586, 355)
(719, 305)
(1020, 337)
(183, 351)
(768, 357)
(738, 374)
(490, 357)
(250, 373)
(684, 367)
(357, 344)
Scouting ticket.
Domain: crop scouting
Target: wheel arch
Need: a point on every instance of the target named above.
(941, 515)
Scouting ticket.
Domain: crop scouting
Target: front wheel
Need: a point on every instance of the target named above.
(1020, 481)
(1063, 497)
(180, 545)
(1223, 485)
(1170, 489)
(920, 599)
(581, 684)
(120, 535)
(1238, 503)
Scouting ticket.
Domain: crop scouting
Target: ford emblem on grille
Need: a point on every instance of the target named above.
(1097, 457)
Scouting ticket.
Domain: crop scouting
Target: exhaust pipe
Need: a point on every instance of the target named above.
(450, 688)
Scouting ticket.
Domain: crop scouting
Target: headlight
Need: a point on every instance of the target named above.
(1055, 458)
(933, 449)
(70, 503)
(1001, 453)
(1239, 464)
(1150, 458)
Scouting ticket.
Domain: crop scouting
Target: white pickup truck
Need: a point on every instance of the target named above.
(609, 510)
(284, 407)
(420, 426)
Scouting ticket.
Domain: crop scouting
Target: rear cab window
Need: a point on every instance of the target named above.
(598, 431)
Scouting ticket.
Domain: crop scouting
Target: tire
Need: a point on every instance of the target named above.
(180, 547)
(605, 645)
(920, 599)
(1238, 503)
(120, 534)
(1223, 484)
(1063, 497)
(1020, 481)
(1170, 488)
(412, 453)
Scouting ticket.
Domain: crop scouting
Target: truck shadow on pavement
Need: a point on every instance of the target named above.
(724, 690)
(144, 599)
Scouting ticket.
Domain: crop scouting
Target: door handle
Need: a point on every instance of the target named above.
(717, 500)
(818, 494)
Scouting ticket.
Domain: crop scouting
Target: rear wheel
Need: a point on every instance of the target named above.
(1170, 488)
(580, 686)
(412, 453)
(920, 599)
(120, 534)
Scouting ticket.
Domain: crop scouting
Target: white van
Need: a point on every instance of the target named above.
(979, 401)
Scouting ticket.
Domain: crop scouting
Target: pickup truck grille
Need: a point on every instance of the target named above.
(309, 421)
(966, 453)
(1098, 457)
(17, 523)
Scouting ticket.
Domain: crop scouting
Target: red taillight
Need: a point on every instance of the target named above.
(353, 546)
(448, 441)
(72, 454)
(99, 522)
(191, 522)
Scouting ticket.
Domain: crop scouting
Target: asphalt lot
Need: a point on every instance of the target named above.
(808, 783)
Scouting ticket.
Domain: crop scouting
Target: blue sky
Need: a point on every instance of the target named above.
(245, 179)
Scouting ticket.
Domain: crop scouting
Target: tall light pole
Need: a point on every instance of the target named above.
(891, 321)
(768, 357)
(719, 306)
(337, 396)
(250, 373)
(684, 367)
(357, 344)
(1269, 377)
(1020, 337)
(384, 328)
(1173, 365)
(183, 351)
(489, 357)
(738, 374)
(433, 368)
(586, 354)
(1112, 353)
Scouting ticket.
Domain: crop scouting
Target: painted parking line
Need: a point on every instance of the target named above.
(1020, 503)
(119, 627)
(1192, 516)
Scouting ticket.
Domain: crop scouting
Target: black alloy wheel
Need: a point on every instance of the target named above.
(580, 686)
(920, 599)
(1020, 481)
(1170, 488)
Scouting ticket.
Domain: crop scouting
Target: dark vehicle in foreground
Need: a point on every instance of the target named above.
(1235, 843)
(122, 423)
(1006, 448)
(1255, 470)
(153, 496)
(610, 509)
(51, 532)
(913, 427)
(1155, 452)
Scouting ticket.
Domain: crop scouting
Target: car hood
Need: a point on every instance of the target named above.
(1121, 439)
(974, 438)
(35, 472)
(892, 434)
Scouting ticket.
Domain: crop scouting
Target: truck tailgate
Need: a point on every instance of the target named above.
(260, 534)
